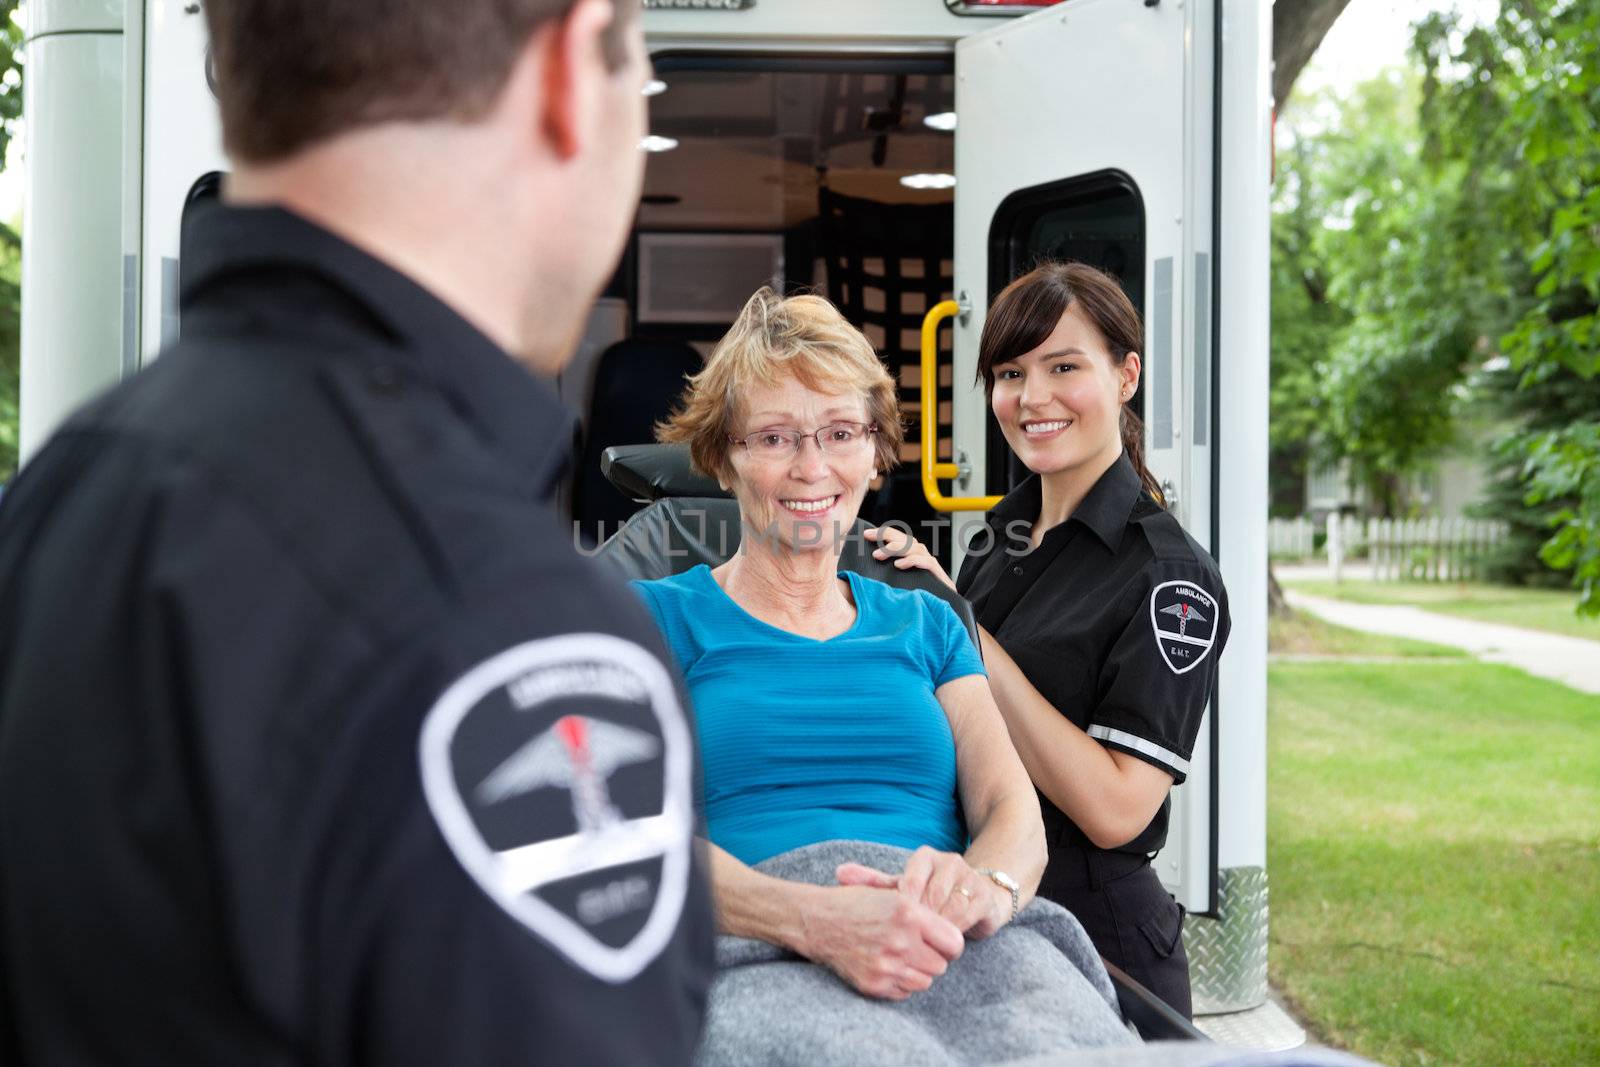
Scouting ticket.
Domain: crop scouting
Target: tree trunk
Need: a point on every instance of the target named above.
(1277, 604)
(1298, 26)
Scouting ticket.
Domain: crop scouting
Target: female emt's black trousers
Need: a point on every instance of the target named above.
(1127, 913)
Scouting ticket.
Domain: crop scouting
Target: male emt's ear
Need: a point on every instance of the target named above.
(575, 74)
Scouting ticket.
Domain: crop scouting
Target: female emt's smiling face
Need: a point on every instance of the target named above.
(802, 497)
(1060, 405)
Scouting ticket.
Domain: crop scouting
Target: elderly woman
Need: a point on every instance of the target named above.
(831, 706)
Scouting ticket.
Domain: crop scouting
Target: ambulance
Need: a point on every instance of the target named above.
(905, 158)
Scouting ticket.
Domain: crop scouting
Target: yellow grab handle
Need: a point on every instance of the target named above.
(932, 469)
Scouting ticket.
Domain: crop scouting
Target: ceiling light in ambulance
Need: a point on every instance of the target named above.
(944, 121)
(654, 143)
(968, 5)
(708, 5)
(929, 181)
(654, 87)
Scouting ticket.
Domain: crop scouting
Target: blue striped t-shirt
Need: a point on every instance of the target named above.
(804, 740)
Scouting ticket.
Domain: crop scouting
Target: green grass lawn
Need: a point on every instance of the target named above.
(1535, 609)
(1434, 849)
(1303, 634)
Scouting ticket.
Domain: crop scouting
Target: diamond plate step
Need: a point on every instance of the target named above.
(1228, 955)
(1267, 1029)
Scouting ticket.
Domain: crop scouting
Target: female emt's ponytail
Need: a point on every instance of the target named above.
(1027, 311)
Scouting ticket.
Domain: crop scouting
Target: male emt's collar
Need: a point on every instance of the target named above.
(519, 413)
(1105, 509)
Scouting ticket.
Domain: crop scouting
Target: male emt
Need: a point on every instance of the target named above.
(319, 743)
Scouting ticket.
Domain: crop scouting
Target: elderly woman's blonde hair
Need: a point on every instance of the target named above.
(773, 337)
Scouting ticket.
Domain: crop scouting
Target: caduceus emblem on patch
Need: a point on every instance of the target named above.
(1184, 618)
(559, 773)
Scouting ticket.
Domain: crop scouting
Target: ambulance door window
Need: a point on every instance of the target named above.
(1096, 219)
(206, 188)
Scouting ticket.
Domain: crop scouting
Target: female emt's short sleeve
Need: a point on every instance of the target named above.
(1157, 678)
(1118, 618)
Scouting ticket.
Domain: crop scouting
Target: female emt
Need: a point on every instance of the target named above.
(1101, 619)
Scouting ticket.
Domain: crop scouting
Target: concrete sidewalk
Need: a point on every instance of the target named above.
(1571, 661)
(1313, 570)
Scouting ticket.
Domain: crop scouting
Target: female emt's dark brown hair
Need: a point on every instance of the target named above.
(1026, 313)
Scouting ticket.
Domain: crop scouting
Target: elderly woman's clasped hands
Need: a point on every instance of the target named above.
(901, 933)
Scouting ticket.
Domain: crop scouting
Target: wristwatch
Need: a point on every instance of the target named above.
(1006, 882)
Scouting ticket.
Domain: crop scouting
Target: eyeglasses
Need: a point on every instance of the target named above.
(834, 439)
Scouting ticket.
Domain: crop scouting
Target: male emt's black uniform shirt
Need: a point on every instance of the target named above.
(319, 743)
(1117, 618)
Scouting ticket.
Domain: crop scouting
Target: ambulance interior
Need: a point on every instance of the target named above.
(830, 175)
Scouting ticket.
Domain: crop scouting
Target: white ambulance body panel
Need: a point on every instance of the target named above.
(70, 258)
(813, 27)
(1243, 295)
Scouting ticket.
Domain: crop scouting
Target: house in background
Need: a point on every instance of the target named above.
(1445, 490)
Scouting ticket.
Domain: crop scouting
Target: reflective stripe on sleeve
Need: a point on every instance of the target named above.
(1139, 744)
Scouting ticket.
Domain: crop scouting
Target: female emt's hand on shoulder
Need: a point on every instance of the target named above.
(907, 552)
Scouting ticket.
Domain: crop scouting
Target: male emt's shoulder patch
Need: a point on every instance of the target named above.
(1184, 618)
(559, 773)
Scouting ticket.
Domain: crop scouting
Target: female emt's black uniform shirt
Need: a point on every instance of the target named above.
(319, 743)
(1117, 618)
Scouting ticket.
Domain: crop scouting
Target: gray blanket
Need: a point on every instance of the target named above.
(1036, 988)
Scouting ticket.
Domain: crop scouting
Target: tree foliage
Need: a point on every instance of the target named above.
(1305, 321)
(1557, 114)
(10, 347)
(1516, 104)
(1391, 318)
(10, 245)
(1459, 211)
(1550, 402)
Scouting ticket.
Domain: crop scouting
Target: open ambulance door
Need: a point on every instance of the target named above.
(1085, 132)
(173, 161)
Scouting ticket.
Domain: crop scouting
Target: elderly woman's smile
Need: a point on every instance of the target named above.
(811, 507)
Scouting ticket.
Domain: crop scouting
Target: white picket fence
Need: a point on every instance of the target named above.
(1296, 538)
(1430, 550)
(1396, 549)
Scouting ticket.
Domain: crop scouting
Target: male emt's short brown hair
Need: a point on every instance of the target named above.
(293, 72)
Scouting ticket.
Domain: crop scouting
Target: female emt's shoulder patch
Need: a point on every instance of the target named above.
(1184, 618)
(559, 773)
